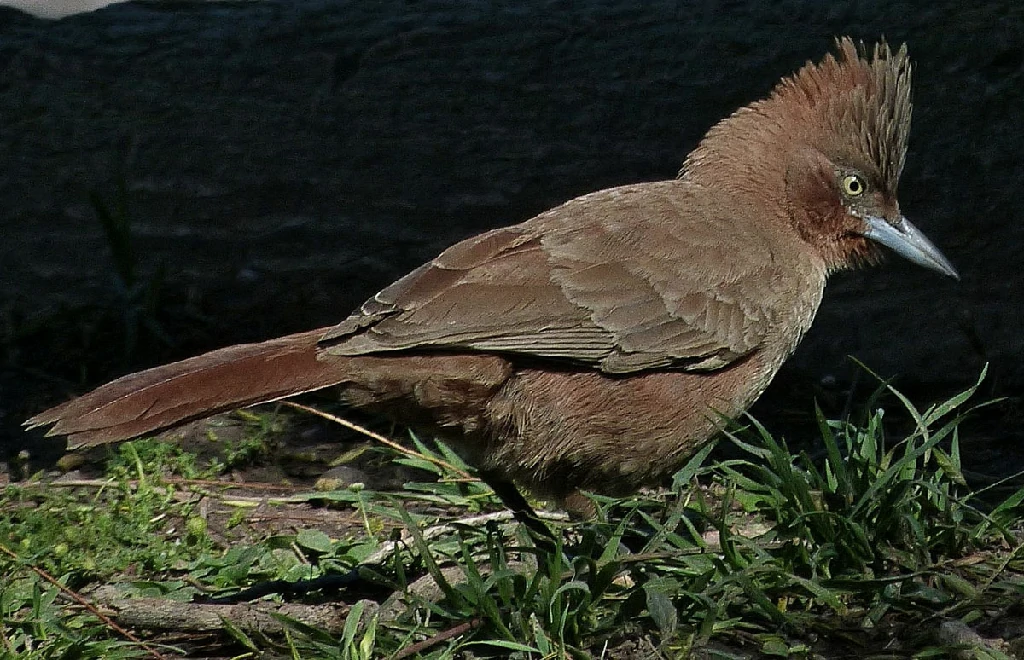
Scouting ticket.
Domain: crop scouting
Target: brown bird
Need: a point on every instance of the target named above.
(597, 345)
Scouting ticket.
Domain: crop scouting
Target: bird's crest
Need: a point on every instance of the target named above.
(854, 106)
(862, 94)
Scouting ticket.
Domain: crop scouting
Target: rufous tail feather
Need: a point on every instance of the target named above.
(222, 380)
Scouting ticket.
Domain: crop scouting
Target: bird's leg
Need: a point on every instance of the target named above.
(521, 510)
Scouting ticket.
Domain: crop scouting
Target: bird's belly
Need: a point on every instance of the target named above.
(556, 431)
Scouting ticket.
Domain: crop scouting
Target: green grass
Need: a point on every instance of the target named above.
(876, 548)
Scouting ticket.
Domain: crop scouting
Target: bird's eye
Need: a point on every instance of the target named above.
(853, 185)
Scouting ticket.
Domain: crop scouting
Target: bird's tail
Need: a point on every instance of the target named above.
(225, 379)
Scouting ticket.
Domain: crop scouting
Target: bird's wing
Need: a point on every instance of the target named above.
(623, 280)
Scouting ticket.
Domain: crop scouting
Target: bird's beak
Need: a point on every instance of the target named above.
(907, 241)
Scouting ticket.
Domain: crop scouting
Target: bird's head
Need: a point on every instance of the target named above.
(827, 148)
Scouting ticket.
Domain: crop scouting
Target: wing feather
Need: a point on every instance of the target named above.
(623, 280)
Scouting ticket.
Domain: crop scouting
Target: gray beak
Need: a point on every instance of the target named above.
(907, 241)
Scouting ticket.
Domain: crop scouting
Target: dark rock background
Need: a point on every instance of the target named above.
(278, 162)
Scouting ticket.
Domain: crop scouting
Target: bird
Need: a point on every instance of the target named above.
(598, 345)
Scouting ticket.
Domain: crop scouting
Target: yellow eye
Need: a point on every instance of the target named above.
(853, 185)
